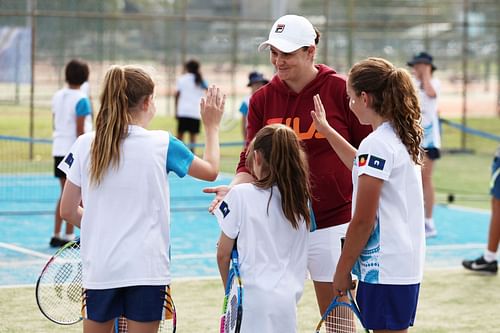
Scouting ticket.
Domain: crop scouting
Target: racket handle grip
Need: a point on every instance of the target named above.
(222, 323)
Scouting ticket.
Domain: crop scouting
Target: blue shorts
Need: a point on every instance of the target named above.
(432, 153)
(139, 303)
(495, 178)
(387, 306)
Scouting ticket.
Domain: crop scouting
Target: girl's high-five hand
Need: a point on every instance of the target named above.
(212, 107)
(319, 116)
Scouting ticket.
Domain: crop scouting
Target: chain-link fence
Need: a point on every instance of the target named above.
(463, 36)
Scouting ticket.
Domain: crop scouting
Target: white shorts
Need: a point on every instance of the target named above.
(324, 252)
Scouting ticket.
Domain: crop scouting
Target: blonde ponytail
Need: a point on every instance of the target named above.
(124, 88)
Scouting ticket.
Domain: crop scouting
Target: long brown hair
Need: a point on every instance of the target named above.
(125, 87)
(284, 165)
(393, 97)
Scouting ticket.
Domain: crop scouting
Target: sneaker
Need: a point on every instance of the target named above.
(430, 231)
(57, 242)
(481, 265)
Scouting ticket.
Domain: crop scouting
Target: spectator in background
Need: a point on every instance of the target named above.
(72, 116)
(255, 81)
(429, 89)
(488, 261)
(190, 89)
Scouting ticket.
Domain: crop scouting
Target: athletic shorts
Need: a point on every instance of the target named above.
(432, 153)
(58, 173)
(387, 306)
(324, 252)
(495, 178)
(139, 303)
(190, 125)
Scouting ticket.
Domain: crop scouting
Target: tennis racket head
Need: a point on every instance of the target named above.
(167, 325)
(232, 311)
(58, 289)
(341, 317)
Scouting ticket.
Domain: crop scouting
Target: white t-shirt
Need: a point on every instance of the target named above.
(125, 228)
(85, 88)
(67, 105)
(430, 117)
(395, 251)
(272, 255)
(190, 95)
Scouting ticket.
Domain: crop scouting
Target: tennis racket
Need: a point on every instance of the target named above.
(341, 317)
(232, 310)
(59, 287)
(167, 325)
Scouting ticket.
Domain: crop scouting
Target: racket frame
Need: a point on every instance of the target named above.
(234, 273)
(336, 303)
(37, 287)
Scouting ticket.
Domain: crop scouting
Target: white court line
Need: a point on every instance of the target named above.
(468, 209)
(22, 263)
(46, 256)
(456, 246)
(195, 256)
(24, 250)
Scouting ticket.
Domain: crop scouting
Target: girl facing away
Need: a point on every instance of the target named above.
(385, 241)
(270, 220)
(119, 173)
(190, 87)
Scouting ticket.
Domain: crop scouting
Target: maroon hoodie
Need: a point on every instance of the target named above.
(331, 180)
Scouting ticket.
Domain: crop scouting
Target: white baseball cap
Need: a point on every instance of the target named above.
(289, 33)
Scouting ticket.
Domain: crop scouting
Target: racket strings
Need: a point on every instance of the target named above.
(59, 291)
(232, 304)
(341, 320)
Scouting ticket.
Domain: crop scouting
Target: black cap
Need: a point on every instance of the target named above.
(256, 77)
(422, 58)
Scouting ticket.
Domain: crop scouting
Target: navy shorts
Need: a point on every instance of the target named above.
(432, 153)
(495, 178)
(57, 172)
(387, 306)
(139, 303)
(190, 125)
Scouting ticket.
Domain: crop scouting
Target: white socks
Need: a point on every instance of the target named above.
(69, 237)
(489, 256)
(429, 222)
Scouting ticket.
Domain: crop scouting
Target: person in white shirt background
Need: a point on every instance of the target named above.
(269, 221)
(72, 116)
(190, 89)
(429, 89)
(117, 193)
(385, 241)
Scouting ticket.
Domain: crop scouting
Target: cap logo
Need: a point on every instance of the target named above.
(279, 28)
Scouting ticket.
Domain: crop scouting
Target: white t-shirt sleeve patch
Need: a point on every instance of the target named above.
(228, 214)
(374, 159)
(70, 164)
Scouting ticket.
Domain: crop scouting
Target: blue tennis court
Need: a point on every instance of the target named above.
(26, 225)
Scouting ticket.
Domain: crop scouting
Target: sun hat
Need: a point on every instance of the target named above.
(289, 33)
(422, 58)
(256, 77)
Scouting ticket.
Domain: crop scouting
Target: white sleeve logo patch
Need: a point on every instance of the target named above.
(224, 208)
